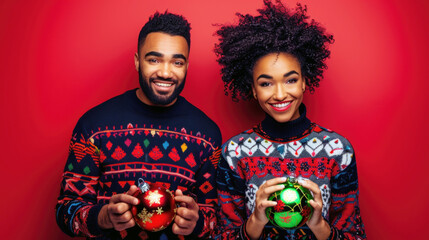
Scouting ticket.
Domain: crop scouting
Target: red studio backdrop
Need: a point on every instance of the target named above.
(60, 58)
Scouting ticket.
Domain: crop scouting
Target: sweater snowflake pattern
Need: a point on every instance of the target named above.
(299, 148)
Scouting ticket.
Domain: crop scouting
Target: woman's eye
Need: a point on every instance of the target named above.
(293, 80)
(264, 84)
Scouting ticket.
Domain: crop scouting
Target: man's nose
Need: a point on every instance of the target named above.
(165, 71)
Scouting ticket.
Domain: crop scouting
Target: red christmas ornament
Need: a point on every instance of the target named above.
(156, 209)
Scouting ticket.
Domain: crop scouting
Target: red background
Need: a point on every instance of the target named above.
(60, 58)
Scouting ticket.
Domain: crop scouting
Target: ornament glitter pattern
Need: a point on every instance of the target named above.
(293, 208)
(156, 209)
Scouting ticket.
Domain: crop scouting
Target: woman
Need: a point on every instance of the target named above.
(275, 57)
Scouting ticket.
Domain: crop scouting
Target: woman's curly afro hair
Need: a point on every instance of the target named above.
(276, 29)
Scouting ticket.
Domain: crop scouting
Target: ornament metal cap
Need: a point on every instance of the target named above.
(143, 186)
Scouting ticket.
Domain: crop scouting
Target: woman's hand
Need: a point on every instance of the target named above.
(257, 221)
(316, 223)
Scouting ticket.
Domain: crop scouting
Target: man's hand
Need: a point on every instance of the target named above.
(186, 215)
(117, 214)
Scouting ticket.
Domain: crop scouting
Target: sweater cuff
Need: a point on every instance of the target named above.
(334, 234)
(199, 227)
(243, 232)
(92, 221)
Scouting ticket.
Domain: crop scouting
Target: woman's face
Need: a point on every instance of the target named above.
(278, 85)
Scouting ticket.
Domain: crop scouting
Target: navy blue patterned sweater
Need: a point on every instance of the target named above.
(122, 140)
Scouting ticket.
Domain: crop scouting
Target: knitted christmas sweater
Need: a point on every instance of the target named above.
(122, 140)
(299, 148)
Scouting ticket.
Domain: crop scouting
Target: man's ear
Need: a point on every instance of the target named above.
(136, 61)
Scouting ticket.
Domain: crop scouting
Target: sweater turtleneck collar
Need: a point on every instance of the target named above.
(283, 132)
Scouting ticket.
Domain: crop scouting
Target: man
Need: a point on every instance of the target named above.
(150, 133)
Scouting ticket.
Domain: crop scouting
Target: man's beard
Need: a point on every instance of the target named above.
(158, 99)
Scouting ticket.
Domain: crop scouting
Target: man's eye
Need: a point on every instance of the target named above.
(179, 63)
(153, 60)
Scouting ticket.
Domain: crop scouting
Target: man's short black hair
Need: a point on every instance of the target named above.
(173, 24)
(275, 29)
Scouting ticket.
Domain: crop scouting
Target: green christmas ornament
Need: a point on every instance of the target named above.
(293, 208)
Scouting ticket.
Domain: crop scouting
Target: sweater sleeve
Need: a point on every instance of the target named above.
(77, 209)
(206, 196)
(231, 200)
(344, 212)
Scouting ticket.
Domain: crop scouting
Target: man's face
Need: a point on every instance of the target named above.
(162, 62)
